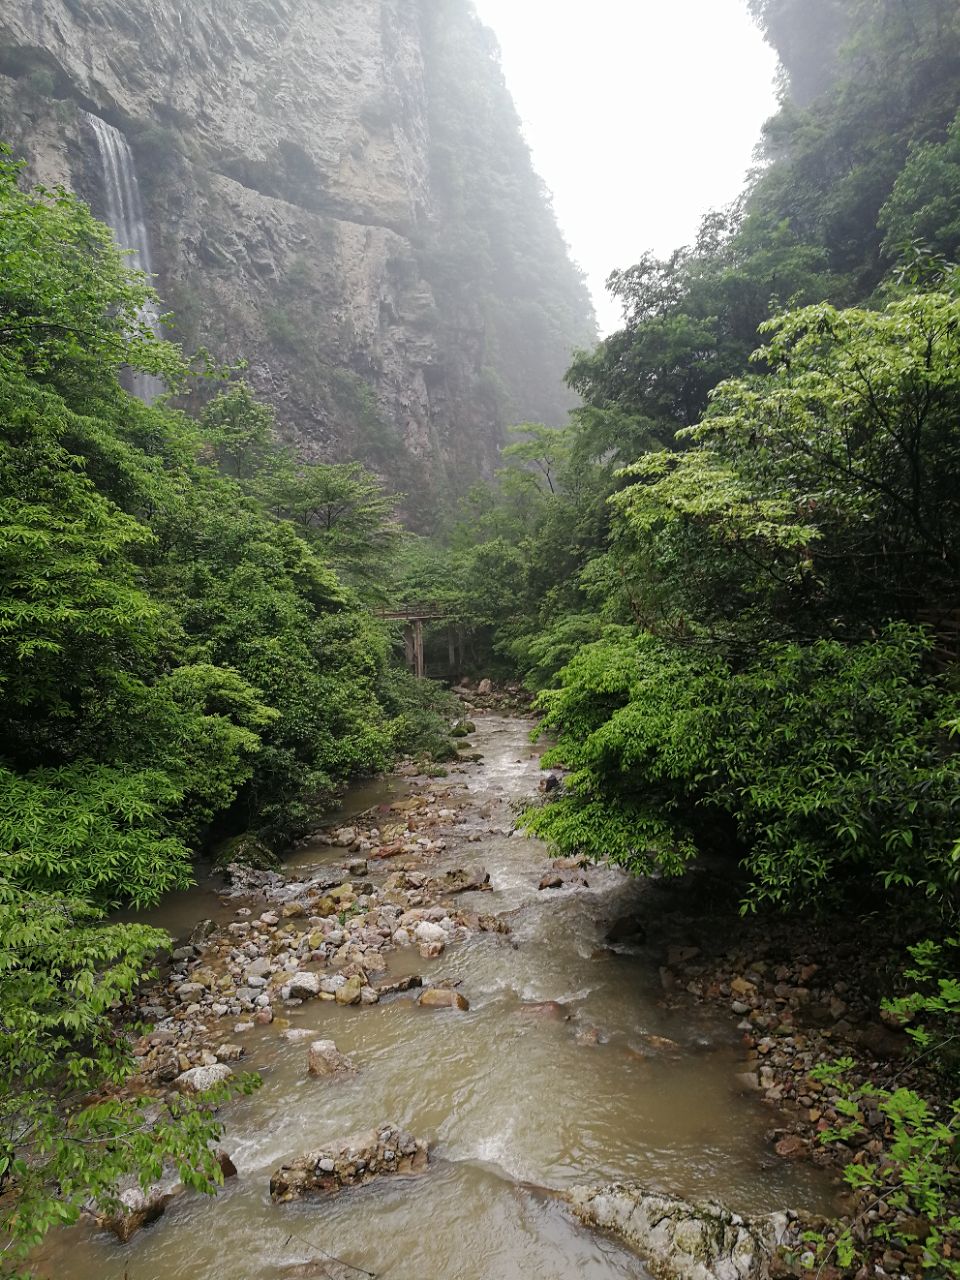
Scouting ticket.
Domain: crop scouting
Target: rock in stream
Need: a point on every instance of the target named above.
(350, 1162)
(680, 1241)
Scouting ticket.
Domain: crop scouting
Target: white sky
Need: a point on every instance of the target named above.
(641, 114)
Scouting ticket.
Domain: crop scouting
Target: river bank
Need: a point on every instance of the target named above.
(569, 1065)
(805, 991)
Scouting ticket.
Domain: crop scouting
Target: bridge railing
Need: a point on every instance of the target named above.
(415, 613)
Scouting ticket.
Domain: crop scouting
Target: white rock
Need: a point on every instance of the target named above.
(427, 932)
(680, 1240)
(199, 1079)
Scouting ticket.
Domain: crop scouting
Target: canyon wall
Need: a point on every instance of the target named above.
(338, 193)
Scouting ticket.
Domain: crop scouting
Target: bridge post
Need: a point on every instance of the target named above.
(418, 662)
(408, 643)
(413, 617)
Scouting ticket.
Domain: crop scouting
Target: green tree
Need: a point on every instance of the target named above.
(242, 432)
(344, 511)
(176, 664)
(67, 1135)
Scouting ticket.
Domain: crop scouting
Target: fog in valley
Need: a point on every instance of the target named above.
(641, 117)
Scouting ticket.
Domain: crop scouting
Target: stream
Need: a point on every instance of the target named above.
(612, 1085)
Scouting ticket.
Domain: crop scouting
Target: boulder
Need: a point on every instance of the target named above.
(303, 986)
(350, 1162)
(550, 1010)
(167, 1065)
(203, 930)
(325, 1059)
(793, 1147)
(200, 1079)
(485, 688)
(137, 1209)
(188, 992)
(351, 992)
(245, 851)
(680, 1241)
(427, 931)
(463, 881)
(442, 998)
(400, 985)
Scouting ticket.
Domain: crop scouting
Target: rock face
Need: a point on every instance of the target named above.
(350, 1162)
(680, 1241)
(339, 192)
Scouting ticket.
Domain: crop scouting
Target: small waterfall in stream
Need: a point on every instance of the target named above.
(124, 210)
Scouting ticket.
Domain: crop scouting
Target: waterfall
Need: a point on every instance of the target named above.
(125, 218)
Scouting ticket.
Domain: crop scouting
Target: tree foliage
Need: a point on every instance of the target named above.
(180, 659)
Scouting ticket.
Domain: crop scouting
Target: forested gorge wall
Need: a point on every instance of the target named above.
(338, 193)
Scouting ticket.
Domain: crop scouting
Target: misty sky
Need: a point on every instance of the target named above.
(641, 115)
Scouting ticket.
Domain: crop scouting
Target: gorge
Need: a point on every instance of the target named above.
(651, 898)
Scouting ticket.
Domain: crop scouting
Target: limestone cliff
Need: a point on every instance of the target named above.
(335, 190)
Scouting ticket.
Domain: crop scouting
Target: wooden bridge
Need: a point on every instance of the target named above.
(415, 615)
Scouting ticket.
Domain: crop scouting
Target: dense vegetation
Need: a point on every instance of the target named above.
(187, 651)
(735, 577)
(736, 573)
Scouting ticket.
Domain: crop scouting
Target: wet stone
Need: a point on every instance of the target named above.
(679, 1240)
(348, 1163)
(442, 998)
(325, 1059)
(137, 1209)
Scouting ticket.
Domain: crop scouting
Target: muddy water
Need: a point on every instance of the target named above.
(512, 1099)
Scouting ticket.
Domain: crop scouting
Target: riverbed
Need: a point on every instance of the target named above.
(566, 1069)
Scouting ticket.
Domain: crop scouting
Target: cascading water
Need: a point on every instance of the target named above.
(124, 210)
